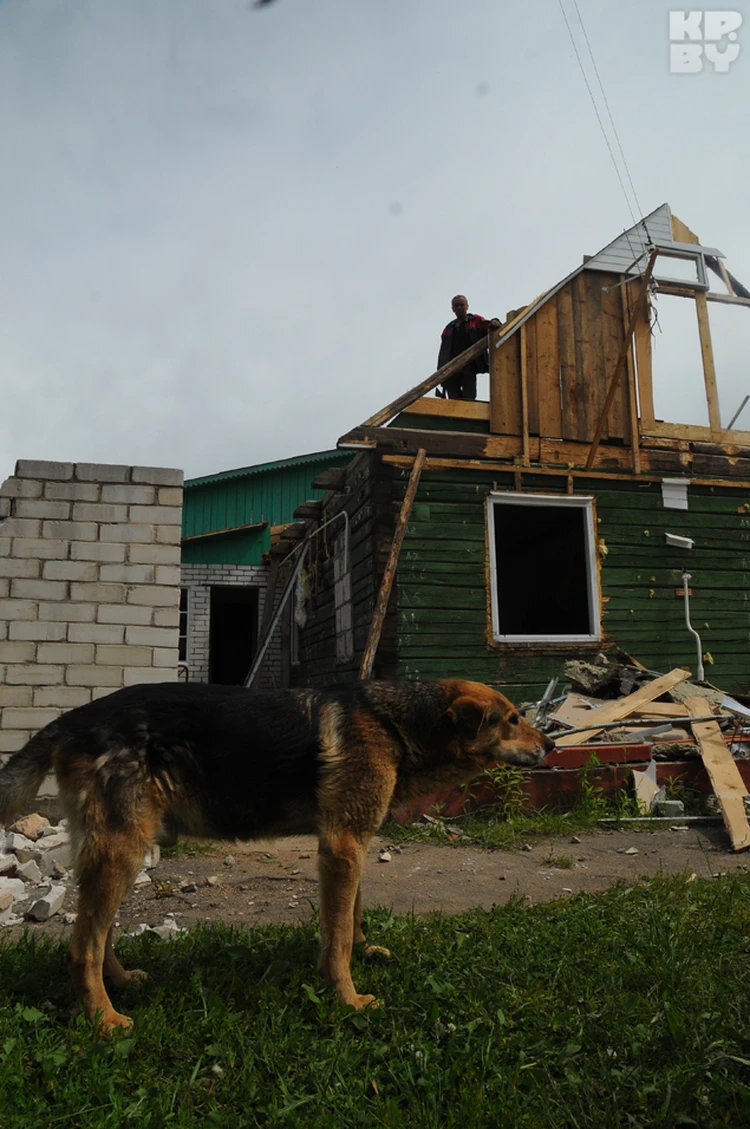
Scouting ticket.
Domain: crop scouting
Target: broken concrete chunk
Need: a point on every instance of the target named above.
(32, 826)
(51, 842)
(29, 871)
(8, 864)
(669, 808)
(6, 900)
(16, 887)
(48, 905)
(15, 842)
(56, 859)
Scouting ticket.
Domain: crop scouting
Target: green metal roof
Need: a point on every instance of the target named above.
(336, 458)
(239, 506)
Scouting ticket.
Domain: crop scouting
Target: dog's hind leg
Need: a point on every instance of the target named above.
(103, 879)
(340, 861)
(113, 970)
(359, 937)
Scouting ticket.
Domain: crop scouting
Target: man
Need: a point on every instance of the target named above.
(458, 336)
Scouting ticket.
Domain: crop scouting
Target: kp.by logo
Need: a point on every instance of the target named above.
(695, 36)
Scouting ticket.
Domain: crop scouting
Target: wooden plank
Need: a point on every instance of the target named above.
(613, 333)
(643, 354)
(634, 431)
(640, 304)
(566, 345)
(505, 388)
(725, 777)
(624, 706)
(386, 585)
(459, 409)
(548, 372)
(709, 370)
(586, 411)
(529, 349)
(524, 380)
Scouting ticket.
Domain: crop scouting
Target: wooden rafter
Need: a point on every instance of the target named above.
(709, 369)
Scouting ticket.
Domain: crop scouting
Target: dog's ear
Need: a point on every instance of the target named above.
(466, 716)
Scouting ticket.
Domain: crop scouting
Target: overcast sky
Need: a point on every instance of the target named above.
(231, 233)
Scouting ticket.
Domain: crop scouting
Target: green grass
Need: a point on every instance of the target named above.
(623, 1009)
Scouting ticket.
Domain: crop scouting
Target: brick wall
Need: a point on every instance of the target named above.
(199, 579)
(89, 586)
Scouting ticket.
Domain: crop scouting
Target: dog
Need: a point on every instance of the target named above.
(151, 762)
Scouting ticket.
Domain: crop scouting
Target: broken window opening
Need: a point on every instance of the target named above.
(543, 574)
(677, 380)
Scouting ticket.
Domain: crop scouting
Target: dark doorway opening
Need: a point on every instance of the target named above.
(233, 634)
(542, 570)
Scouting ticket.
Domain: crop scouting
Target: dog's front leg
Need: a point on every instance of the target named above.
(340, 859)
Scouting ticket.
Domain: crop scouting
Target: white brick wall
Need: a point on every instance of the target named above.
(199, 579)
(82, 609)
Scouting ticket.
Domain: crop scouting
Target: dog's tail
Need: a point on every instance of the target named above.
(21, 778)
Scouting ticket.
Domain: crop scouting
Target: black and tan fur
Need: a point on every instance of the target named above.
(152, 762)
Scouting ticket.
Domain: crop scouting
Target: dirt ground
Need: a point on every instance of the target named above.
(245, 883)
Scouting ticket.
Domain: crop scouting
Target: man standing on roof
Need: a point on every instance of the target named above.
(458, 336)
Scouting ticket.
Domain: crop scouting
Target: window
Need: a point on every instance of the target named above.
(543, 576)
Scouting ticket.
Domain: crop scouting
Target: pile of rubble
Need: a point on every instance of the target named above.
(673, 716)
(36, 872)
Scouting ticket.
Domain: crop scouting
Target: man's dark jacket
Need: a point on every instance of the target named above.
(477, 328)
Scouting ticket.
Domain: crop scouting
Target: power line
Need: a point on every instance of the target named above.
(634, 218)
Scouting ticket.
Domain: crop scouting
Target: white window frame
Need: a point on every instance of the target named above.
(583, 502)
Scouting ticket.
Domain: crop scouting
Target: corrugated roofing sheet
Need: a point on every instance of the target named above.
(335, 457)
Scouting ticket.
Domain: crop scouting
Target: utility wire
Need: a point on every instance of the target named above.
(639, 217)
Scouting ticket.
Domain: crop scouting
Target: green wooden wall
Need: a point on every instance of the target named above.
(442, 606)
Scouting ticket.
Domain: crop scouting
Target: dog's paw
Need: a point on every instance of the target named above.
(135, 975)
(377, 951)
(360, 1002)
(114, 1022)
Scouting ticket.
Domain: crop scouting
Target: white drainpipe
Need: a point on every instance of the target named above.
(691, 629)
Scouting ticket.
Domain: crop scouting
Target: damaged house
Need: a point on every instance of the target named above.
(494, 539)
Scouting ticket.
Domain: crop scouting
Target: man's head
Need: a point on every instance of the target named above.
(460, 307)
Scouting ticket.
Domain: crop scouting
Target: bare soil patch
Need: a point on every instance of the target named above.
(249, 883)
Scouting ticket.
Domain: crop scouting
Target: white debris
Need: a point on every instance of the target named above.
(16, 886)
(48, 905)
(229, 860)
(384, 856)
(15, 842)
(8, 864)
(153, 855)
(142, 879)
(29, 871)
(52, 861)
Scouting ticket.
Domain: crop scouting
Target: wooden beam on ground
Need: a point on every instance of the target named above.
(709, 369)
(621, 708)
(386, 584)
(639, 305)
(726, 781)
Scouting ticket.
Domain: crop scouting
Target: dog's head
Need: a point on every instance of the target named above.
(489, 728)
